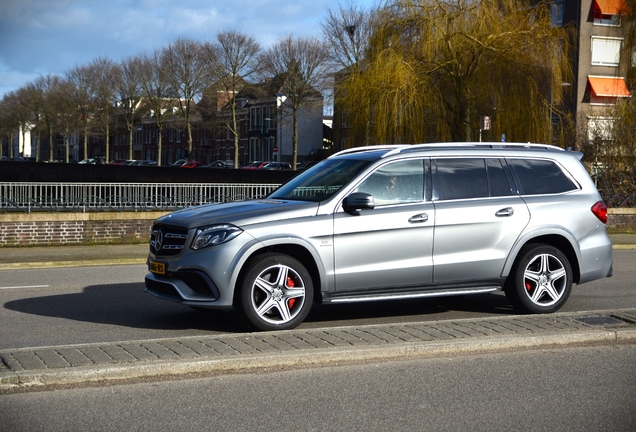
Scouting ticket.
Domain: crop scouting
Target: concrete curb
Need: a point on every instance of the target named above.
(79, 263)
(44, 367)
(243, 364)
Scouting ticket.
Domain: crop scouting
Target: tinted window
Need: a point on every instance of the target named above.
(497, 179)
(541, 177)
(461, 178)
(396, 183)
(320, 181)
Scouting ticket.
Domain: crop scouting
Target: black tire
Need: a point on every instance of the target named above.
(540, 280)
(275, 292)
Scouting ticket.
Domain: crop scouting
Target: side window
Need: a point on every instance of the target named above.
(396, 183)
(461, 178)
(538, 177)
(497, 179)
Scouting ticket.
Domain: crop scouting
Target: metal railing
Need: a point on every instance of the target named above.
(85, 197)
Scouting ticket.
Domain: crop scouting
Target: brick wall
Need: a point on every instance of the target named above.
(622, 220)
(42, 229)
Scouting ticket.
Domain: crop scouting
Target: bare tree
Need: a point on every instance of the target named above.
(156, 89)
(33, 96)
(66, 109)
(81, 82)
(232, 60)
(347, 32)
(300, 65)
(24, 115)
(188, 75)
(51, 96)
(127, 91)
(105, 73)
(9, 121)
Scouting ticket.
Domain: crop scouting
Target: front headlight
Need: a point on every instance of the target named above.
(214, 235)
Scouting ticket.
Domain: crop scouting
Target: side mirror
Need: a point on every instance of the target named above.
(358, 201)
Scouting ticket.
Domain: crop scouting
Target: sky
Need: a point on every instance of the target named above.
(40, 37)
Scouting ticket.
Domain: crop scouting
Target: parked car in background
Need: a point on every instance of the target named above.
(305, 165)
(97, 160)
(255, 165)
(277, 166)
(178, 162)
(227, 164)
(192, 164)
(121, 162)
(144, 162)
(392, 222)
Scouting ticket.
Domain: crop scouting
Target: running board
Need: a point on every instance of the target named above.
(403, 295)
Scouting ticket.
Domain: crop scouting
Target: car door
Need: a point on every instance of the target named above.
(478, 219)
(390, 245)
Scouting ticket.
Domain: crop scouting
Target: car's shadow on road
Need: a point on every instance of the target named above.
(127, 305)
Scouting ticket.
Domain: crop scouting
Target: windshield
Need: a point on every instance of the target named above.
(320, 181)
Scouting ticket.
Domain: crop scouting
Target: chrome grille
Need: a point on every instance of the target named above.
(167, 240)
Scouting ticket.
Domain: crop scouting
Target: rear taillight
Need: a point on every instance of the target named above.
(600, 211)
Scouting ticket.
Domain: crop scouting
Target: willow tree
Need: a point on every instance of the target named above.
(433, 67)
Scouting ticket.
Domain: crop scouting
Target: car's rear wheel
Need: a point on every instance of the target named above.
(540, 281)
(275, 292)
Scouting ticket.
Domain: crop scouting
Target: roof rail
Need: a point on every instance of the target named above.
(399, 148)
(368, 148)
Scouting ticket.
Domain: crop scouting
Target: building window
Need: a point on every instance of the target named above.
(556, 13)
(255, 118)
(599, 129)
(608, 12)
(606, 51)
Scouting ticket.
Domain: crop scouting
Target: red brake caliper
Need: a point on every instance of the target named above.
(290, 284)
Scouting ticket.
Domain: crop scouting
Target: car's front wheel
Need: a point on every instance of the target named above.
(540, 281)
(275, 292)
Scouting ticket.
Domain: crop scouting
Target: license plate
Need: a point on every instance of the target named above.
(157, 267)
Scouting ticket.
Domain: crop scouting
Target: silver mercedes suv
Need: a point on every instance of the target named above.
(392, 222)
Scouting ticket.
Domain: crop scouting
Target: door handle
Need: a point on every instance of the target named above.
(508, 211)
(419, 218)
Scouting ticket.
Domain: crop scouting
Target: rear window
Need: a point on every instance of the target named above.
(539, 177)
(461, 178)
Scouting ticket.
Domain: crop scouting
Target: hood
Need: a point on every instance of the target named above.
(240, 214)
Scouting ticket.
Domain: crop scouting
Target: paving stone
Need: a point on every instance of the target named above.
(179, 349)
(200, 348)
(74, 357)
(28, 360)
(97, 355)
(118, 354)
(159, 350)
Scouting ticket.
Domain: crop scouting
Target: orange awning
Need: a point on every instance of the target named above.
(612, 7)
(608, 87)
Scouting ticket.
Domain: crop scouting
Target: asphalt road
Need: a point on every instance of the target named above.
(62, 306)
(570, 389)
